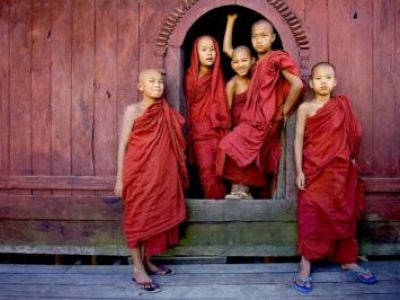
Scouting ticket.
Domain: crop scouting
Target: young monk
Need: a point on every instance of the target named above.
(326, 144)
(236, 91)
(253, 148)
(151, 177)
(208, 115)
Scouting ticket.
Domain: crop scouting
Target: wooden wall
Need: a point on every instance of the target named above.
(68, 68)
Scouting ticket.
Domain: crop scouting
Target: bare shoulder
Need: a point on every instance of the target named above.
(133, 111)
(231, 83)
(304, 109)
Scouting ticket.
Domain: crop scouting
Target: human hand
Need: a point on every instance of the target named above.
(118, 188)
(232, 17)
(301, 180)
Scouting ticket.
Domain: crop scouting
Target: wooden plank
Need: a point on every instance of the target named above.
(84, 207)
(315, 20)
(386, 160)
(213, 291)
(104, 144)
(58, 182)
(361, 76)
(127, 57)
(339, 43)
(40, 90)
(82, 107)
(4, 89)
(20, 87)
(150, 25)
(61, 88)
(106, 234)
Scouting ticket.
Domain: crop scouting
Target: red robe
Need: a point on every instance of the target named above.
(255, 142)
(237, 108)
(208, 121)
(154, 177)
(332, 199)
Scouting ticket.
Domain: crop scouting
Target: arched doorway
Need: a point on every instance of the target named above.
(195, 18)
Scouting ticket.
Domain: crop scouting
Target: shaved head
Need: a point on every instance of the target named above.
(241, 49)
(148, 72)
(322, 64)
(264, 22)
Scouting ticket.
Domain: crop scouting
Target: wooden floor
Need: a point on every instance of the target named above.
(207, 281)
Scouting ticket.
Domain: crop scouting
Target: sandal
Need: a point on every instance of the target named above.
(364, 276)
(162, 271)
(239, 196)
(302, 284)
(148, 286)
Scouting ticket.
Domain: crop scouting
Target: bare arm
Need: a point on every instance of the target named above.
(230, 92)
(298, 145)
(296, 86)
(131, 113)
(227, 45)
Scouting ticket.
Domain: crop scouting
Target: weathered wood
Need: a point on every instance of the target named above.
(20, 83)
(82, 106)
(61, 89)
(105, 143)
(4, 89)
(362, 74)
(251, 281)
(40, 90)
(386, 142)
(58, 182)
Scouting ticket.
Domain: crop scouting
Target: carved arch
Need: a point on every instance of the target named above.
(293, 22)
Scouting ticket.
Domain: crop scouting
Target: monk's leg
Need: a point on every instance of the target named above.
(139, 271)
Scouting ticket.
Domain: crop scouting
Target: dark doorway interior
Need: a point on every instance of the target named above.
(213, 23)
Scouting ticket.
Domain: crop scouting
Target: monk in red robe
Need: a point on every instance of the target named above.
(151, 177)
(330, 195)
(208, 115)
(253, 148)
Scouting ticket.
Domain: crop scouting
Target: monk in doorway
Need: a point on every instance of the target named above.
(253, 147)
(208, 114)
(330, 195)
(151, 177)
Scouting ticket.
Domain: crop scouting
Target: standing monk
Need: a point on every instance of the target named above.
(330, 196)
(275, 87)
(151, 177)
(208, 114)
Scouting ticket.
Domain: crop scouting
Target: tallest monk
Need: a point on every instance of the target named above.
(253, 148)
(208, 113)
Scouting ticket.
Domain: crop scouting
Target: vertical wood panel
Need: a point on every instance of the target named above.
(4, 88)
(20, 87)
(361, 77)
(128, 56)
(150, 25)
(61, 87)
(340, 43)
(385, 138)
(396, 147)
(315, 21)
(106, 87)
(40, 89)
(82, 106)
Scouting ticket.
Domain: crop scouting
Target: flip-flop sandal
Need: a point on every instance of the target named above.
(362, 276)
(148, 286)
(162, 271)
(238, 196)
(302, 284)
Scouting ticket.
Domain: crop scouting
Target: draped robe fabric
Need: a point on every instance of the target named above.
(333, 195)
(154, 177)
(237, 108)
(208, 121)
(254, 144)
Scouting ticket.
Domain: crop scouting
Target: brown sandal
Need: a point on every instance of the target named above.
(148, 286)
